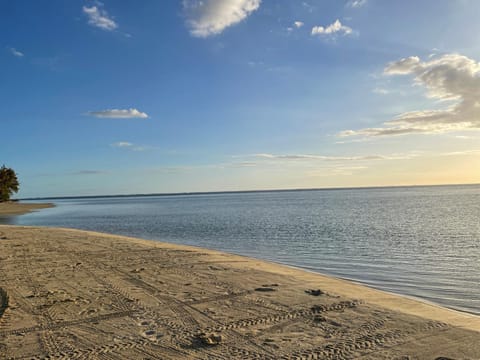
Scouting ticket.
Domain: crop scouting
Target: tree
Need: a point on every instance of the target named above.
(8, 183)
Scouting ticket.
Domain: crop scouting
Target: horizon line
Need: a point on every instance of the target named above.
(187, 193)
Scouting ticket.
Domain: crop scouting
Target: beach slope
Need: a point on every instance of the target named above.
(17, 208)
(75, 294)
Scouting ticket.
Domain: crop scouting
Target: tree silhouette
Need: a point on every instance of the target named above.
(8, 183)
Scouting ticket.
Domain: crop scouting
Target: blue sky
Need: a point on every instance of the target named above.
(120, 97)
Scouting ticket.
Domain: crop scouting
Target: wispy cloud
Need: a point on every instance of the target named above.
(298, 24)
(129, 146)
(210, 17)
(356, 3)
(333, 29)
(119, 114)
(462, 153)
(255, 63)
(310, 8)
(98, 17)
(335, 171)
(123, 144)
(332, 158)
(451, 77)
(380, 91)
(16, 52)
(243, 164)
(88, 172)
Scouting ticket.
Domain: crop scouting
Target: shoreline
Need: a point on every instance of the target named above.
(14, 208)
(367, 285)
(180, 291)
(350, 284)
(425, 287)
(287, 265)
(278, 263)
(258, 260)
(292, 266)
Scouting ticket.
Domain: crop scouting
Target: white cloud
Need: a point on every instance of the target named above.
(129, 146)
(16, 53)
(403, 66)
(356, 3)
(298, 24)
(119, 114)
(336, 27)
(210, 17)
(99, 18)
(451, 77)
(122, 144)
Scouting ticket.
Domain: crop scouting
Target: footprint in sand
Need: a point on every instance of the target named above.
(152, 335)
(209, 339)
(267, 288)
(317, 292)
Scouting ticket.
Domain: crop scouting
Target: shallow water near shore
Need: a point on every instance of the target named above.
(416, 241)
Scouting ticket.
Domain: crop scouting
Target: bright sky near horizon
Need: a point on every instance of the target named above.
(123, 96)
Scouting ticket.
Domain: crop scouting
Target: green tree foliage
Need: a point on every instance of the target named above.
(8, 183)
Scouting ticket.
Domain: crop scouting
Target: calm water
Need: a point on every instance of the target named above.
(417, 241)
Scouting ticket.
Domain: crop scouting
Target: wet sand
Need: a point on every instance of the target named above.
(18, 208)
(74, 294)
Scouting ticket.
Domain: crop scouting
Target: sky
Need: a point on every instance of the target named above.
(122, 97)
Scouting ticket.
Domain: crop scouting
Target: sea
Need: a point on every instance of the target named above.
(421, 242)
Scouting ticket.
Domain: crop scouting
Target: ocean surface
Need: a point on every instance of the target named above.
(417, 241)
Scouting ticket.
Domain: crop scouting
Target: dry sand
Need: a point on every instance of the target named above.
(16, 208)
(81, 295)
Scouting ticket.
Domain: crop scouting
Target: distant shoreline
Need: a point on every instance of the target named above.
(12, 208)
(241, 192)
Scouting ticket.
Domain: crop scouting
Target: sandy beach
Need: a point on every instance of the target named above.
(73, 294)
(17, 208)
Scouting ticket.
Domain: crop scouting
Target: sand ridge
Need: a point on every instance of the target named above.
(79, 295)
